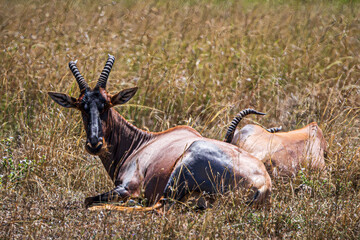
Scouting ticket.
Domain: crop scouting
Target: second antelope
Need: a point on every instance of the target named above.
(283, 153)
(169, 164)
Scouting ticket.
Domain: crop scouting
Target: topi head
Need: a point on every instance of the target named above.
(93, 104)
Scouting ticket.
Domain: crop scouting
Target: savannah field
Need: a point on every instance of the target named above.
(196, 63)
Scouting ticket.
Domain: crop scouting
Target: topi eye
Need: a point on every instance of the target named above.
(86, 106)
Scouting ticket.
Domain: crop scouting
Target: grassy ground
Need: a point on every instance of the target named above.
(196, 64)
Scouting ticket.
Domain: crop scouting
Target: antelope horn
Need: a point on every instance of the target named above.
(230, 132)
(274, 129)
(80, 79)
(106, 71)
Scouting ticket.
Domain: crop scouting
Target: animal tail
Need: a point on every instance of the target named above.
(274, 129)
(156, 206)
(230, 132)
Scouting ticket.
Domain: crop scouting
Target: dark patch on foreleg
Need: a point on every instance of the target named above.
(117, 194)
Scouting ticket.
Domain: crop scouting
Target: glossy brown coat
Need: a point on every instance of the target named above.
(284, 153)
(146, 168)
(169, 164)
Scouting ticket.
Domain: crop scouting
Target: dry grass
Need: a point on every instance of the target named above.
(196, 64)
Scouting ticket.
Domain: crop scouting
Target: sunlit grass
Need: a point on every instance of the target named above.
(197, 64)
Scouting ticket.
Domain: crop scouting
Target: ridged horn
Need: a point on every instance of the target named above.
(106, 71)
(79, 78)
(230, 132)
(274, 129)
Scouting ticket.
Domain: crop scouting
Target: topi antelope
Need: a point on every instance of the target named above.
(170, 164)
(282, 153)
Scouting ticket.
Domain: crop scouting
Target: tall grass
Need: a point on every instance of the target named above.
(198, 64)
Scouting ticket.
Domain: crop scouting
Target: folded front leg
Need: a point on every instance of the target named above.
(117, 194)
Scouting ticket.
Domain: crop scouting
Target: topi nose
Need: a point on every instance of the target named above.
(95, 141)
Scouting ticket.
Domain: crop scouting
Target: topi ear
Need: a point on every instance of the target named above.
(63, 99)
(123, 96)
